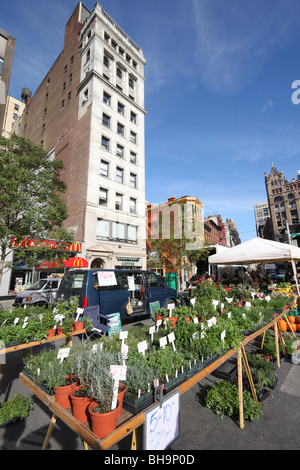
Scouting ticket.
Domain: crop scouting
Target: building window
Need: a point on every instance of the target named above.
(66, 68)
(103, 197)
(64, 86)
(132, 181)
(72, 60)
(131, 83)
(105, 120)
(88, 56)
(119, 202)
(62, 104)
(105, 143)
(70, 77)
(16, 107)
(69, 96)
(133, 117)
(116, 231)
(106, 98)
(85, 96)
(133, 158)
(119, 175)
(104, 169)
(105, 61)
(120, 151)
(132, 206)
(119, 72)
(133, 137)
(120, 129)
(121, 108)
(103, 229)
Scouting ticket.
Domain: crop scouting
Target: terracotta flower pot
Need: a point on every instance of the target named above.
(80, 407)
(51, 333)
(120, 398)
(62, 395)
(103, 423)
(78, 325)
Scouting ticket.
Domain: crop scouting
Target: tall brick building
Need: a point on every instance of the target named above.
(89, 112)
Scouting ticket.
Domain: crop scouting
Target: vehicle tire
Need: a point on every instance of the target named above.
(42, 304)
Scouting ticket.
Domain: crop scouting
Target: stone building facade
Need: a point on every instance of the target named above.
(284, 202)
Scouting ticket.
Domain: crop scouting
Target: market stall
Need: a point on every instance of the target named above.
(259, 250)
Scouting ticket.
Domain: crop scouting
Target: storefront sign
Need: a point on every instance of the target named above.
(128, 261)
(28, 242)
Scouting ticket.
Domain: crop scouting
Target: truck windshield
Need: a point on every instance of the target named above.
(72, 281)
(38, 285)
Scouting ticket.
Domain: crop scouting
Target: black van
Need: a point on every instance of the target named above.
(112, 289)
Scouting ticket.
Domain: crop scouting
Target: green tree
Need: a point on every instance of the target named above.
(31, 206)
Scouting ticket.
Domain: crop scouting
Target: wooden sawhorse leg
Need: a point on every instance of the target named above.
(49, 433)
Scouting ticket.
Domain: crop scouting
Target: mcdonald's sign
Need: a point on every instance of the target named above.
(25, 243)
(75, 247)
(76, 262)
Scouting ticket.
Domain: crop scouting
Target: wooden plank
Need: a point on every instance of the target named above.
(245, 360)
(20, 347)
(240, 388)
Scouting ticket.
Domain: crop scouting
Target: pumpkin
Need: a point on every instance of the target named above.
(291, 319)
(298, 327)
(293, 327)
(298, 319)
(282, 325)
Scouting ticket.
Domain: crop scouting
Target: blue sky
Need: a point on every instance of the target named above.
(218, 90)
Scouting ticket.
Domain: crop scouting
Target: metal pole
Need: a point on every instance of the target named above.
(292, 261)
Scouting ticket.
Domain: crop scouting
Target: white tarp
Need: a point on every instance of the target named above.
(257, 250)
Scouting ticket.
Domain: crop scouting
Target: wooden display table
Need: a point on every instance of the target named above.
(128, 423)
(22, 347)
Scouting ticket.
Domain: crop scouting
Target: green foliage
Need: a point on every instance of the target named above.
(34, 322)
(15, 409)
(223, 398)
(30, 200)
(262, 371)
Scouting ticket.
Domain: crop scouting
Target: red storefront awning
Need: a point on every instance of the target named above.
(74, 262)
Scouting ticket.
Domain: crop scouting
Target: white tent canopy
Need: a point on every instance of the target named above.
(259, 250)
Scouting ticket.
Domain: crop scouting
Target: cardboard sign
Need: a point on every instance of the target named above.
(106, 278)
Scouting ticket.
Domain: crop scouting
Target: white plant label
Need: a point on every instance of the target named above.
(163, 342)
(151, 332)
(63, 353)
(142, 347)
(79, 312)
(171, 338)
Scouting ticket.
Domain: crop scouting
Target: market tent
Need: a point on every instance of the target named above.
(258, 250)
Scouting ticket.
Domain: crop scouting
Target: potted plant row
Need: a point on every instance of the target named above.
(20, 326)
